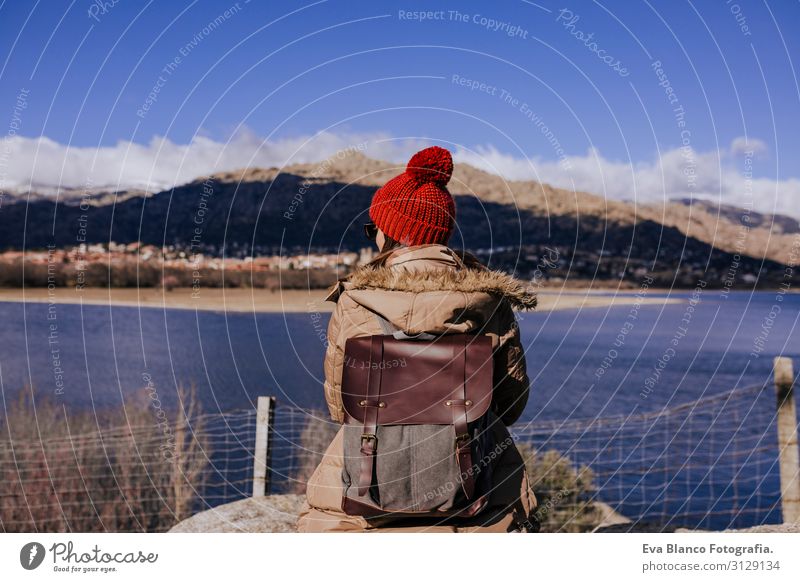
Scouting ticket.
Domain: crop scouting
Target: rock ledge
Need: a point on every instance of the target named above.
(275, 513)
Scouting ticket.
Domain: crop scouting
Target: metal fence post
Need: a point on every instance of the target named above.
(787, 441)
(265, 419)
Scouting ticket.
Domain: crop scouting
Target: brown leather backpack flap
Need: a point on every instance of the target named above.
(418, 381)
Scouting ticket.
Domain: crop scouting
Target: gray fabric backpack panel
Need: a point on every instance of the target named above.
(415, 466)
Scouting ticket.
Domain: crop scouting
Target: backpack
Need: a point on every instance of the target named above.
(417, 432)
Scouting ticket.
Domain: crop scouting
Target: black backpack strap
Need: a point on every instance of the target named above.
(390, 329)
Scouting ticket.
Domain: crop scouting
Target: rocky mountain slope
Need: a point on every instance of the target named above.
(727, 228)
(315, 206)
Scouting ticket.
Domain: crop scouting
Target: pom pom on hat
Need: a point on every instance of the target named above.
(415, 207)
(431, 165)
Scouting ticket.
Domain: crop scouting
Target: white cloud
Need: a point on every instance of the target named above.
(43, 164)
(678, 173)
(742, 146)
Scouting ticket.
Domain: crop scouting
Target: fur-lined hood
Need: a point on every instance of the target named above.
(464, 274)
(431, 289)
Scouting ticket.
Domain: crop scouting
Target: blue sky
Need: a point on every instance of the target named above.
(284, 71)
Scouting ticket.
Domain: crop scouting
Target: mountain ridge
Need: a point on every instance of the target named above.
(322, 205)
(767, 236)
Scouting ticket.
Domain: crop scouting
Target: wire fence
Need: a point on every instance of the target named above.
(711, 463)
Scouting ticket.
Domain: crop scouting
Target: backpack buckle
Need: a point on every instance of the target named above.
(368, 442)
(462, 439)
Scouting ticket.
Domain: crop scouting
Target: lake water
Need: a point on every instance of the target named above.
(584, 364)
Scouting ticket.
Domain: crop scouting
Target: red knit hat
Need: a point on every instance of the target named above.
(415, 207)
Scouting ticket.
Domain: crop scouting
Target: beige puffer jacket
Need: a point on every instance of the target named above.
(429, 289)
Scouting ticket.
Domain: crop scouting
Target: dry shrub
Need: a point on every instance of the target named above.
(563, 491)
(134, 469)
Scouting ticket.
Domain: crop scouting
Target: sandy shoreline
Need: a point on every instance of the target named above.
(281, 301)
